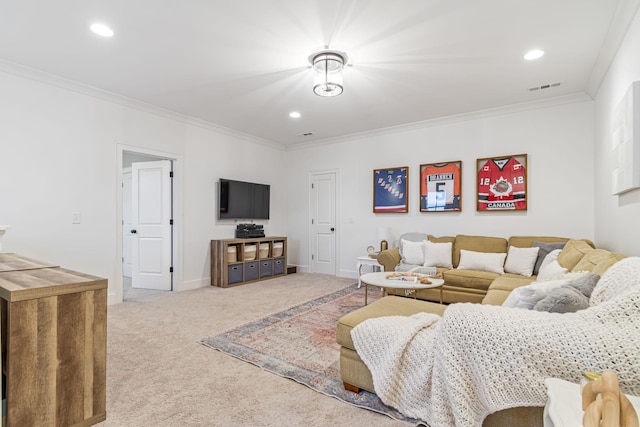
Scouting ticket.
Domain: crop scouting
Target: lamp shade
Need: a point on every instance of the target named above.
(327, 72)
(384, 233)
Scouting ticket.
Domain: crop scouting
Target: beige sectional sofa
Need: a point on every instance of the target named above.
(464, 286)
(472, 285)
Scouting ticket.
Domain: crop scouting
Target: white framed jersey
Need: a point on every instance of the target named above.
(440, 187)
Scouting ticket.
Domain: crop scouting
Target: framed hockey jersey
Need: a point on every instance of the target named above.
(440, 185)
(502, 183)
(390, 187)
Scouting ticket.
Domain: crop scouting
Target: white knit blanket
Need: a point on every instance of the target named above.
(479, 359)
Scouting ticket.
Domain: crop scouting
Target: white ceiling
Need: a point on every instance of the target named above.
(242, 64)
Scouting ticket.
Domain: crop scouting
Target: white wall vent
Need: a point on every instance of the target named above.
(545, 86)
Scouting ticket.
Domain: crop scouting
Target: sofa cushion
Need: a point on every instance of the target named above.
(469, 278)
(573, 252)
(545, 249)
(437, 254)
(477, 244)
(591, 259)
(601, 267)
(502, 286)
(529, 241)
(551, 271)
(387, 306)
(443, 239)
(521, 260)
(482, 261)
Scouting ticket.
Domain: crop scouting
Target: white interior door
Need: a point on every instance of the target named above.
(151, 225)
(323, 223)
(127, 237)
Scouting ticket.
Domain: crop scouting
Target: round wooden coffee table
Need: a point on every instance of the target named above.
(380, 280)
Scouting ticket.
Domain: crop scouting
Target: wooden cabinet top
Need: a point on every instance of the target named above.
(250, 240)
(30, 279)
(12, 262)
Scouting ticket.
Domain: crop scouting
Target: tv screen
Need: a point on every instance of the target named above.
(243, 200)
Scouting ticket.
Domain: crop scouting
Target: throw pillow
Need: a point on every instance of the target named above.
(551, 270)
(545, 249)
(585, 284)
(529, 295)
(565, 299)
(551, 256)
(437, 254)
(412, 252)
(521, 260)
(482, 261)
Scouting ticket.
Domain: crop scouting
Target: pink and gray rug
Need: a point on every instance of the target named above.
(300, 343)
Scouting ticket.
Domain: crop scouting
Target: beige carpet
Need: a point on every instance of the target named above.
(158, 373)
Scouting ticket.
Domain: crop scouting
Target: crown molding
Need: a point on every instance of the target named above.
(440, 121)
(73, 86)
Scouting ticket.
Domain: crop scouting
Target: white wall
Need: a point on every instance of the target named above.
(616, 225)
(59, 154)
(559, 142)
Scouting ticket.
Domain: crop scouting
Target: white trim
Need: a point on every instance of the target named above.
(73, 86)
(115, 293)
(194, 284)
(440, 121)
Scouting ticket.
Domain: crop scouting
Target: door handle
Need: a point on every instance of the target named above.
(333, 229)
(134, 231)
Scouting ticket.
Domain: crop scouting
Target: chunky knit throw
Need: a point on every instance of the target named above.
(479, 359)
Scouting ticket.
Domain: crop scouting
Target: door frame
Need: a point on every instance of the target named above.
(116, 292)
(338, 225)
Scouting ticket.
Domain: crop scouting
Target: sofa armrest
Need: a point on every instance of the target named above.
(389, 258)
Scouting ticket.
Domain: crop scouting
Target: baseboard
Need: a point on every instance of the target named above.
(193, 284)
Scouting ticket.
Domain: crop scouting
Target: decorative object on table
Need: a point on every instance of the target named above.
(604, 405)
(502, 183)
(384, 235)
(371, 250)
(390, 187)
(440, 187)
(409, 277)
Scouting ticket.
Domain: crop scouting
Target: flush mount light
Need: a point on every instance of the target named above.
(327, 72)
(102, 30)
(533, 54)
(294, 115)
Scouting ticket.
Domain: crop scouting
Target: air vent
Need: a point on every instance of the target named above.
(306, 134)
(542, 87)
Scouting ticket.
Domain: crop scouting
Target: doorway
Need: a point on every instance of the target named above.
(148, 235)
(323, 210)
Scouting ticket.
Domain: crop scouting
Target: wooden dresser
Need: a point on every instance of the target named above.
(54, 344)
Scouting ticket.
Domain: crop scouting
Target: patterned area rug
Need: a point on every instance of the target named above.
(300, 343)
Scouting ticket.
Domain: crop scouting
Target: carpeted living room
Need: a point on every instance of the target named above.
(204, 204)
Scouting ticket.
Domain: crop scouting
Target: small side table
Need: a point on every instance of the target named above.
(367, 260)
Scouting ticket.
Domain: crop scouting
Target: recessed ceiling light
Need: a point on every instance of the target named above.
(102, 30)
(533, 54)
(294, 115)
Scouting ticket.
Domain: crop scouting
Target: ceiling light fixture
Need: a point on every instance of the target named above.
(533, 54)
(102, 30)
(294, 115)
(327, 72)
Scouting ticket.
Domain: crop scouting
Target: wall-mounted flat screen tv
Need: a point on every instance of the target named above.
(243, 200)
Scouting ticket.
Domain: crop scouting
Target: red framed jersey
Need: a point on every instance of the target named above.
(502, 184)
